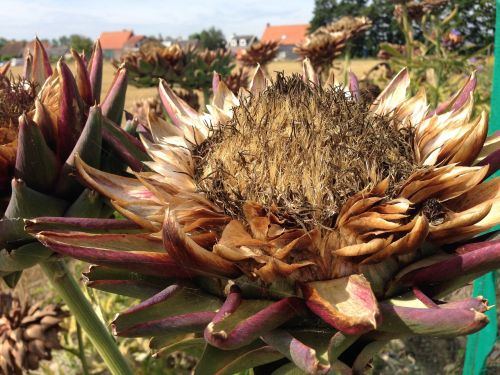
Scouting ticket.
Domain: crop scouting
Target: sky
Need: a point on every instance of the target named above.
(23, 19)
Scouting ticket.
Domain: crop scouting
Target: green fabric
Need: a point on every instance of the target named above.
(479, 345)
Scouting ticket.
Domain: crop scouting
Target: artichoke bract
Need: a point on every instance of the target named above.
(147, 66)
(259, 53)
(65, 120)
(296, 221)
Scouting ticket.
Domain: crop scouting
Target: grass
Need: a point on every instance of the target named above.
(359, 67)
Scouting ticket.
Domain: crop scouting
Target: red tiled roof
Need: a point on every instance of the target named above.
(285, 34)
(114, 39)
(15, 49)
(134, 39)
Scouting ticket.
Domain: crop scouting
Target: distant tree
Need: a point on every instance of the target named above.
(151, 43)
(380, 12)
(77, 42)
(384, 27)
(64, 41)
(81, 43)
(211, 39)
(476, 21)
(3, 41)
(326, 11)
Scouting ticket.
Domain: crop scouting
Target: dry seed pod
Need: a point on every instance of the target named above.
(28, 334)
(327, 42)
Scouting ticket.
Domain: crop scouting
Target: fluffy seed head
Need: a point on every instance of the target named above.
(304, 150)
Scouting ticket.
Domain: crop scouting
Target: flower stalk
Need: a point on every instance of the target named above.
(81, 350)
(68, 289)
(408, 34)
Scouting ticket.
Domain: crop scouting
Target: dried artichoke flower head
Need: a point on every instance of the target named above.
(303, 150)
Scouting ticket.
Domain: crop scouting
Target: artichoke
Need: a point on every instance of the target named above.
(61, 122)
(260, 53)
(327, 42)
(199, 72)
(187, 68)
(418, 9)
(296, 222)
(147, 65)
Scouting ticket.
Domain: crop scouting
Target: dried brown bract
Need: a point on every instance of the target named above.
(141, 108)
(237, 80)
(351, 25)
(260, 53)
(209, 57)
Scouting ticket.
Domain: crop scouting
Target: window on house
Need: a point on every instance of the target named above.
(234, 43)
(243, 42)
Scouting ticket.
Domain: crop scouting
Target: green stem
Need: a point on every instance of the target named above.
(206, 96)
(408, 33)
(71, 351)
(81, 350)
(73, 297)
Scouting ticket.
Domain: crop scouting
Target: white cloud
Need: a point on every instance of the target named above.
(22, 19)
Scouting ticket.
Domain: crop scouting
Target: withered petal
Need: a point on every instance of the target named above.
(347, 304)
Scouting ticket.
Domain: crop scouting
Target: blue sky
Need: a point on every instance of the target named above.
(22, 19)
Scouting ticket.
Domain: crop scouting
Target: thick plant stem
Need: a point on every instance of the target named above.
(72, 295)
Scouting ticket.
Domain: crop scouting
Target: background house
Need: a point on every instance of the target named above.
(170, 41)
(16, 51)
(237, 43)
(115, 43)
(55, 52)
(13, 49)
(288, 36)
(134, 43)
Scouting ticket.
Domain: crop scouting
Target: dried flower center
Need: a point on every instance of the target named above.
(303, 149)
(16, 96)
